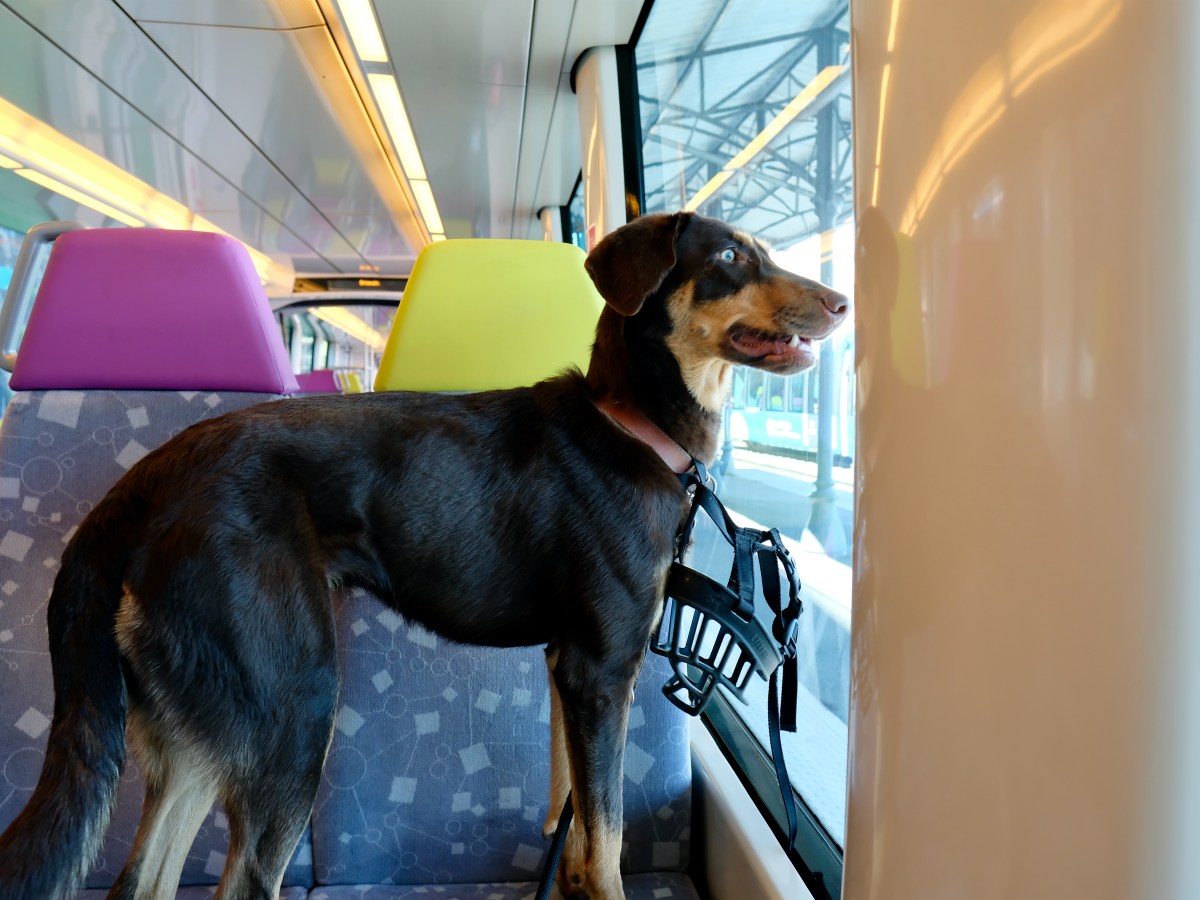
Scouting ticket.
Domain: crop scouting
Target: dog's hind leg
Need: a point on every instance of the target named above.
(270, 797)
(180, 790)
(595, 696)
(266, 818)
(560, 766)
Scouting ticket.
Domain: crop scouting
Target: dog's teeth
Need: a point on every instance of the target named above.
(794, 341)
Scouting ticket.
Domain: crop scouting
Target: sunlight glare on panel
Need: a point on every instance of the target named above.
(80, 197)
(772, 129)
(54, 161)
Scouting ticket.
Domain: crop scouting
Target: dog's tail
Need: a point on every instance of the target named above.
(46, 851)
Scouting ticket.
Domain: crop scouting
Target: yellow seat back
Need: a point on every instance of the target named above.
(484, 314)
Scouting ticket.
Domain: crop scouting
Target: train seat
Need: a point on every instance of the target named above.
(483, 314)
(319, 381)
(135, 334)
(439, 768)
(329, 381)
(151, 309)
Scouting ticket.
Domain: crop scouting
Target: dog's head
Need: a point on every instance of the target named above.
(714, 297)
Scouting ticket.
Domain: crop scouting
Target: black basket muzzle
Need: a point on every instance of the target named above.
(708, 630)
(708, 642)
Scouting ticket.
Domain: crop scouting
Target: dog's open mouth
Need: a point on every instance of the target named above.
(773, 348)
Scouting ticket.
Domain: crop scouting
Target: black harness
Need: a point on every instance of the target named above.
(712, 637)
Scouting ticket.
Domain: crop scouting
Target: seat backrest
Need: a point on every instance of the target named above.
(482, 314)
(151, 309)
(134, 335)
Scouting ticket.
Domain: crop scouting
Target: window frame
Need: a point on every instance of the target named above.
(816, 855)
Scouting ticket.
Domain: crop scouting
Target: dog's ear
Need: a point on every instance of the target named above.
(628, 265)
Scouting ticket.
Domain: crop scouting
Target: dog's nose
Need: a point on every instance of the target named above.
(838, 304)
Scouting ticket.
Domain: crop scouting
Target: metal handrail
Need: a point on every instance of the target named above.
(336, 298)
(18, 300)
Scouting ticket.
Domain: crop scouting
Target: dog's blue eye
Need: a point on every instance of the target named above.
(727, 255)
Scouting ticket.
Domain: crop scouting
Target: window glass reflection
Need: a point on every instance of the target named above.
(745, 116)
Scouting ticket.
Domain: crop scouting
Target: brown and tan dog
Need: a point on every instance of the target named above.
(247, 524)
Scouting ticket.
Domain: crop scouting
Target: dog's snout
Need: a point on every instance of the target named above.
(838, 304)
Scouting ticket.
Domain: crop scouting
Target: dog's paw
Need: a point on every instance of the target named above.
(572, 888)
(577, 885)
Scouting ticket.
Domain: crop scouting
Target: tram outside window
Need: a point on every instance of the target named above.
(744, 115)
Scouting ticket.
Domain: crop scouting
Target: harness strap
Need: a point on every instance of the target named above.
(781, 772)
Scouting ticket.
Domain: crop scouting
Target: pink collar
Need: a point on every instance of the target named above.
(635, 422)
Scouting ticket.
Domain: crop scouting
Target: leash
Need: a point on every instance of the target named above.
(556, 851)
(709, 631)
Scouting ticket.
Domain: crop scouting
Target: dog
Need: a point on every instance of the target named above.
(194, 604)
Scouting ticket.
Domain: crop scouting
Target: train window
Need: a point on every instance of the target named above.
(300, 350)
(10, 247)
(10, 243)
(321, 343)
(755, 392)
(346, 339)
(575, 212)
(744, 114)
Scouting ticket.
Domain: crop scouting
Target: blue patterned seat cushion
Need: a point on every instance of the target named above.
(204, 892)
(658, 886)
(439, 767)
(653, 886)
(60, 452)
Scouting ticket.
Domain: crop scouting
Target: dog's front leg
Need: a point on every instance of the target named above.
(595, 697)
(560, 771)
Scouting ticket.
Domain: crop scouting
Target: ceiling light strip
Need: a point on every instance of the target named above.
(424, 194)
(395, 117)
(391, 107)
(364, 30)
(359, 20)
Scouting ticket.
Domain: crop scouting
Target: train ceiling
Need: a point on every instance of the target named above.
(244, 113)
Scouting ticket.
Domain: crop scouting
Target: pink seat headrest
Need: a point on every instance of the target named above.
(151, 309)
(320, 381)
